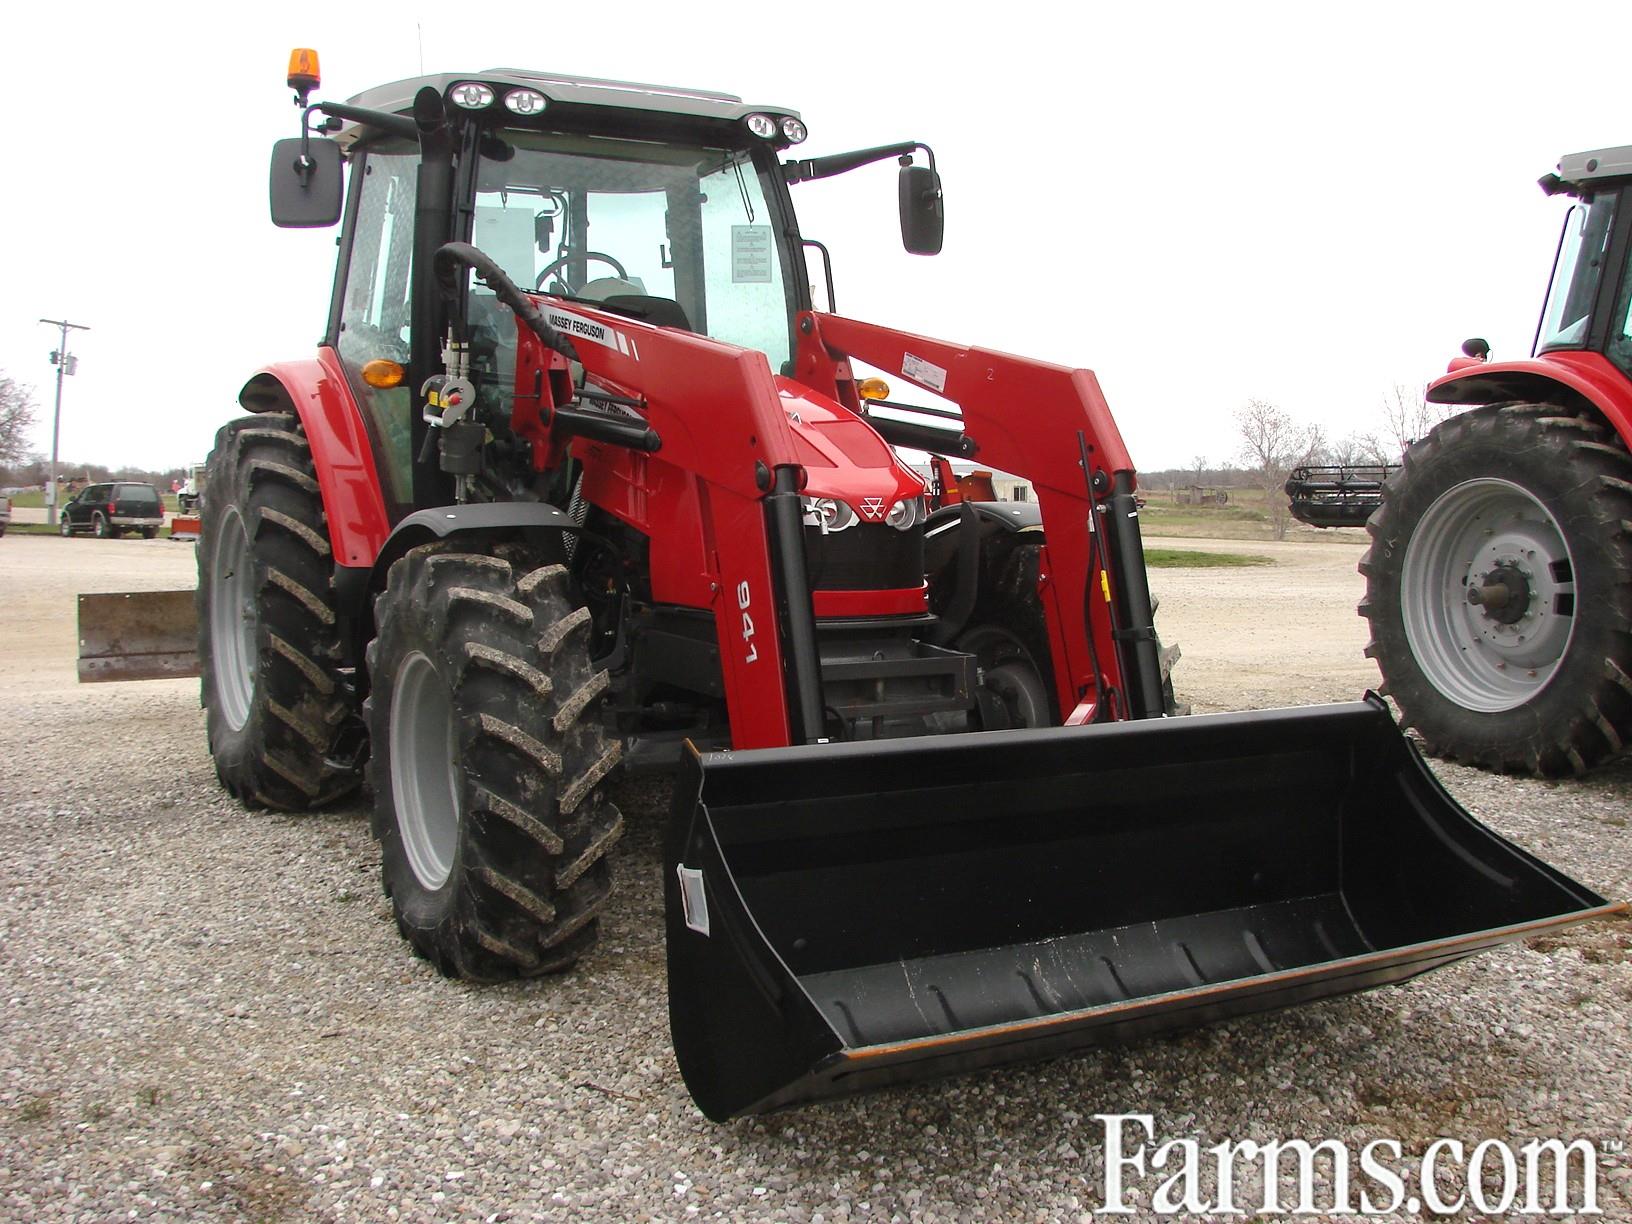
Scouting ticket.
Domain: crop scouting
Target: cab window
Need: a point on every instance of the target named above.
(376, 306)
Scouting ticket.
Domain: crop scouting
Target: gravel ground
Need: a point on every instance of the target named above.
(209, 1014)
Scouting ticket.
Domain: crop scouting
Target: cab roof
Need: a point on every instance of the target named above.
(1578, 169)
(398, 96)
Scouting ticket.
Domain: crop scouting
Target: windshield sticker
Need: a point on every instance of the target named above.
(580, 328)
(751, 254)
(925, 372)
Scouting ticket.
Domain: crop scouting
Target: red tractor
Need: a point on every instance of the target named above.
(578, 481)
(1499, 581)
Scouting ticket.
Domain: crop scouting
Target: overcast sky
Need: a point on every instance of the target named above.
(1306, 203)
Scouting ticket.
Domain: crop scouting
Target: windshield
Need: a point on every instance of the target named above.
(680, 235)
(1576, 275)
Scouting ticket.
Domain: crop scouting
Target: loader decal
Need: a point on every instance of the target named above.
(744, 598)
(580, 328)
(925, 372)
(693, 900)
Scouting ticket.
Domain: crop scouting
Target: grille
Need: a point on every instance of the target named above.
(866, 557)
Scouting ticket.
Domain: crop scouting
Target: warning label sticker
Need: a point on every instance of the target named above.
(751, 254)
(925, 372)
(580, 328)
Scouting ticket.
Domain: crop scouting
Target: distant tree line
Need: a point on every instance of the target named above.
(33, 473)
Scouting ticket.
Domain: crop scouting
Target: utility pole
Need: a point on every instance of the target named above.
(66, 363)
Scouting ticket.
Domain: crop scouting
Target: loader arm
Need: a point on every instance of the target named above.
(716, 411)
(1025, 417)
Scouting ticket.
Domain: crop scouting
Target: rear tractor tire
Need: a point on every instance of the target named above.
(488, 759)
(268, 631)
(1499, 590)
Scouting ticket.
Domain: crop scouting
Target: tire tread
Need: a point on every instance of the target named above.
(531, 874)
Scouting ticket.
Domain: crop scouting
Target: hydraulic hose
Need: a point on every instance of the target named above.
(451, 256)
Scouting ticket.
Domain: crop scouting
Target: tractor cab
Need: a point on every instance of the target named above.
(1587, 301)
(665, 205)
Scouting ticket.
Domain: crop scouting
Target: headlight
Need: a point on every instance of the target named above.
(525, 102)
(906, 513)
(762, 126)
(794, 130)
(472, 95)
(827, 514)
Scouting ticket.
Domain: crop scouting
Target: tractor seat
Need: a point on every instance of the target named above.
(661, 311)
(629, 297)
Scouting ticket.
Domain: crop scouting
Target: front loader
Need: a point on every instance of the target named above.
(579, 481)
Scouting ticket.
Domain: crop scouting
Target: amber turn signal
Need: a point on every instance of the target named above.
(383, 373)
(873, 389)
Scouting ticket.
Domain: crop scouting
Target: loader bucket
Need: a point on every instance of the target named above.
(137, 635)
(845, 917)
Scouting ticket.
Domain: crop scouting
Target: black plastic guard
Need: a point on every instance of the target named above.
(842, 917)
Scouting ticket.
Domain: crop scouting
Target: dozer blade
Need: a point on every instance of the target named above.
(137, 635)
(850, 916)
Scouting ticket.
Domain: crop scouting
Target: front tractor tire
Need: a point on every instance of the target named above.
(488, 759)
(1499, 590)
(1010, 639)
(268, 630)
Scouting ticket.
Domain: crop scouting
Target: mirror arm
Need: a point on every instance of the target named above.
(842, 163)
(384, 121)
(334, 112)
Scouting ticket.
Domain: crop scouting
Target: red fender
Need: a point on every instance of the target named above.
(317, 392)
(1589, 375)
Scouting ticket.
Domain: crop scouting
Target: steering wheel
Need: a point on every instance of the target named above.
(555, 265)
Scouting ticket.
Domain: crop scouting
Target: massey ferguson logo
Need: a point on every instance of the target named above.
(872, 508)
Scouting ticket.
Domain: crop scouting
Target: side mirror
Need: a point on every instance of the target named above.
(922, 218)
(307, 185)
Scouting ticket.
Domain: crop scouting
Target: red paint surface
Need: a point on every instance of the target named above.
(352, 500)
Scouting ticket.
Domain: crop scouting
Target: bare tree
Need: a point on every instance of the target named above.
(1356, 449)
(1272, 444)
(1199, 466)
(1407, 417)
(16, 419)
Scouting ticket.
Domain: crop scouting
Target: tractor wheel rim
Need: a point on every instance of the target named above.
(423, 782)
(1021, 690)
(1477, 536)
(233, 619)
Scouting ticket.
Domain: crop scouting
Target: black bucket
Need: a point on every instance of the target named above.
(843, 917)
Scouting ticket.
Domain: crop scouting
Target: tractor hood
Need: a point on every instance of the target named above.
(841, 453)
